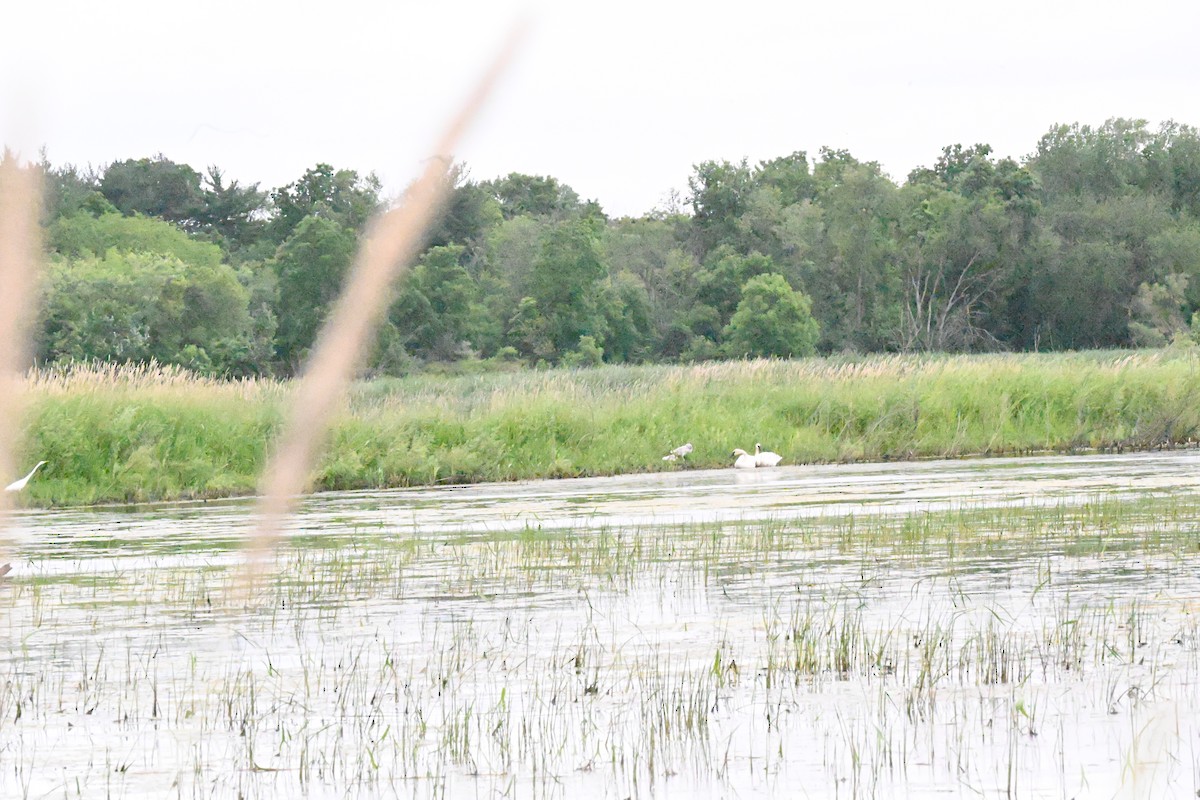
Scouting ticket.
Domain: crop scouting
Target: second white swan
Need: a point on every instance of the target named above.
(765, 458)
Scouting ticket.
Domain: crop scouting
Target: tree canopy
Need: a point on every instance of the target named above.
(1093, 240)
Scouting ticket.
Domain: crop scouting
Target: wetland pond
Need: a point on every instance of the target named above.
(979, 628)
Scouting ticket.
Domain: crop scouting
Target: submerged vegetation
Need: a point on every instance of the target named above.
(130, 434)
(1030, 649)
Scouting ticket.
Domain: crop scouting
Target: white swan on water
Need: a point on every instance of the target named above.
(765, 458)
(743, 460)
(678, 452)
(17, 486)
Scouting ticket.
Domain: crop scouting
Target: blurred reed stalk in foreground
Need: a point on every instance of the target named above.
(20, 199)
(391, 242)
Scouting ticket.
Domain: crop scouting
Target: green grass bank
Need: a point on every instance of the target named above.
(127, 434)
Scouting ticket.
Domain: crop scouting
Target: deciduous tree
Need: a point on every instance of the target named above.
(771, 320)
(311, 267)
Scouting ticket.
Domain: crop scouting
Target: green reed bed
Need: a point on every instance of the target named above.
(124, 434)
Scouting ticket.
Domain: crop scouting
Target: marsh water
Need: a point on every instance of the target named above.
(980, 628)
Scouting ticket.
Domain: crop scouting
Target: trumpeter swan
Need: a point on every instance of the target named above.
(743, 459)
(678, 452)
(765, 458)
(17, 486)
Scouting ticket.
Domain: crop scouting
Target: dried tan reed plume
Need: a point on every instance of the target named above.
(149, 378)
(391, 242)
(20, 199)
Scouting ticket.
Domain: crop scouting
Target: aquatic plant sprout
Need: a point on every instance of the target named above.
(1022, 627)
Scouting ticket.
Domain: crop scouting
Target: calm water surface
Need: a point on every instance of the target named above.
(1017, 627)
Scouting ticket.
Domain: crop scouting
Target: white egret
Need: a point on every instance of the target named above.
(743, 460)
(678, 452)
(765, 458)
(17, 486)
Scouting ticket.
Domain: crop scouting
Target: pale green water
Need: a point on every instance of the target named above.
(1020, 627)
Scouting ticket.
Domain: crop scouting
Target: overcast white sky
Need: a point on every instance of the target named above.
(618, 99)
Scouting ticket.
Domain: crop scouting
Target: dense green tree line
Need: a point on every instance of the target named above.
(1093, 240)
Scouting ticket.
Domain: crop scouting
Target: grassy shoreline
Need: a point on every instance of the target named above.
(131, 435)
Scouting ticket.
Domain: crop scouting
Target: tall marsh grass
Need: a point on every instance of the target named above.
(134, 434)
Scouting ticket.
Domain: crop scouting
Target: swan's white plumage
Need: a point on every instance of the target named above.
(743, 460)
(765, 458)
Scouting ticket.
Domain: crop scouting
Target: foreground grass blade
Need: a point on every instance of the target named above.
(391, 242)
(20, 199)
